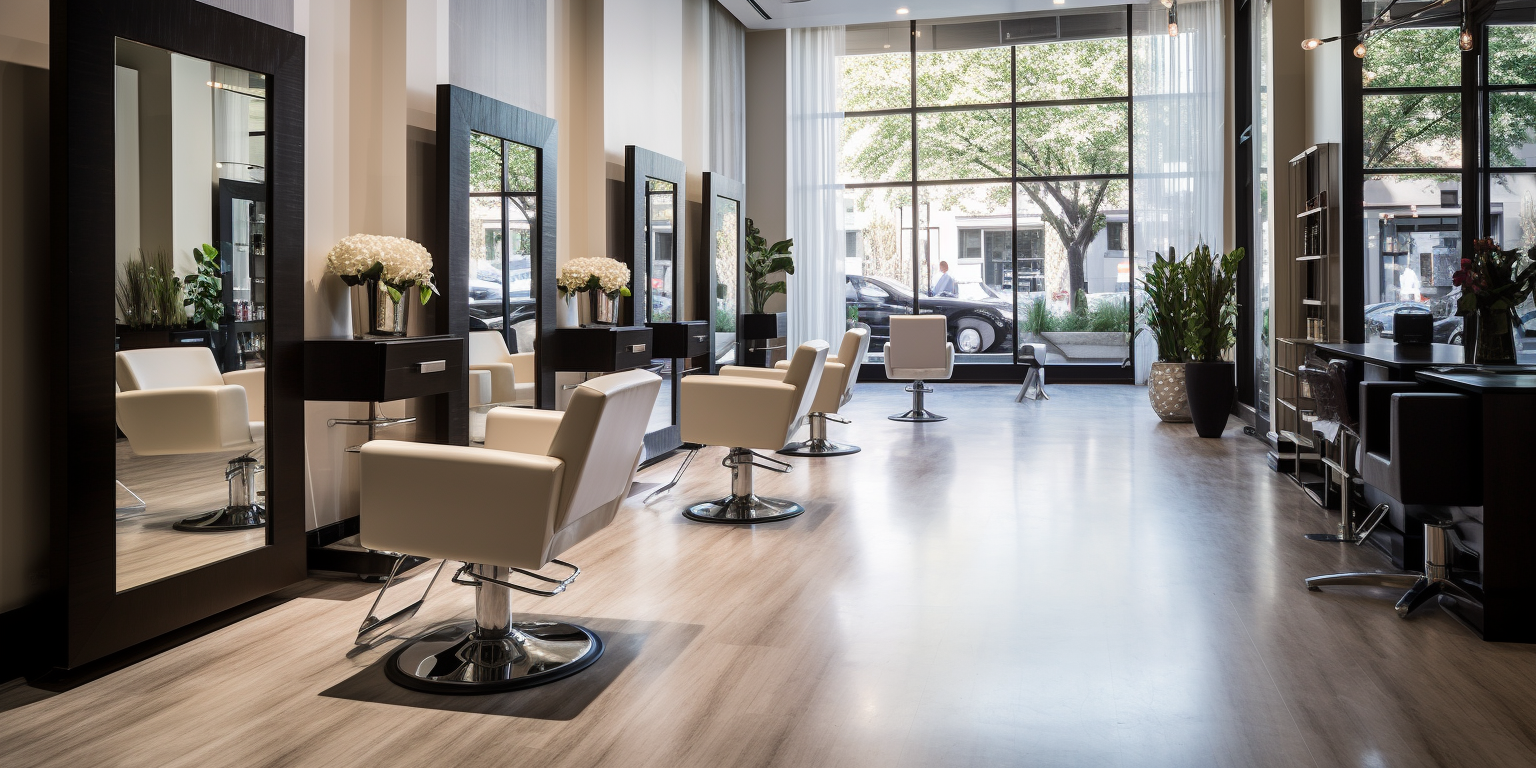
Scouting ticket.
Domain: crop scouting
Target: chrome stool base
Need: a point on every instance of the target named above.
(457, 659)
(743, 510)
(226, 519)
(818, 447)
(1434, 581)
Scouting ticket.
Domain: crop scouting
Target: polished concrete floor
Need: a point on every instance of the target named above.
(1063, 583)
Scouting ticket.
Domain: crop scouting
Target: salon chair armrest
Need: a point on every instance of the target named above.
(747, 372)
(737, 411)
(255, 382)
(453, 502)
(521, 430)
(523, 364)
(173, 420)
(1376, 413)
(503, 380)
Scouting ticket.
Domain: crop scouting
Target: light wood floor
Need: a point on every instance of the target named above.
(173, 488)
(1067, 583)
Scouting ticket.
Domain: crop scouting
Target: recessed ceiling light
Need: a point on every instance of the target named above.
(902, 11)
(1059, 2)
(887, 45)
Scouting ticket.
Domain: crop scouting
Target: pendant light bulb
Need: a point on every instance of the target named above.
(1310, 44)
(1173, 29)
(1360, 50)
(1465, 41)
(1167, 3)
(1173, 18)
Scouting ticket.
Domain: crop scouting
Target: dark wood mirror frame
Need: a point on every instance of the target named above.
(717, 186)
(459, 113)
(641, 164)
(94, 618)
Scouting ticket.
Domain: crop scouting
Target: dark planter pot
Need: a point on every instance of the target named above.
(764, 326)
(1211, 387)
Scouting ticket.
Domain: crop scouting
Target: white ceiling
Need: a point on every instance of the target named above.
(821, 13)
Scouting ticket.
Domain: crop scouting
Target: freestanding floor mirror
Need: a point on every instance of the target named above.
(655, 191)
(178, 231)
(724, 292)
(496, 247)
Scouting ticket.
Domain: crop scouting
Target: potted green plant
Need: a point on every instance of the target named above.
(149, 302)
(764, 260)
(1162, 314)
(1210, 329)
(205, 290)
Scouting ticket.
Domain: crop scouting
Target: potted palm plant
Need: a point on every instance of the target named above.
(1162, 315)
(1210, 329)
(764, 260)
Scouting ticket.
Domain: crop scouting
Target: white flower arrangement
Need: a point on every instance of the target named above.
(594, 273)
(396, 262)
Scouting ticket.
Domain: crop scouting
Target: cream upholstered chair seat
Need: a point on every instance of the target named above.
(512, 376)
(832, 393)
(545, 481)
(174, 400)
(749, 409)
(919, 351)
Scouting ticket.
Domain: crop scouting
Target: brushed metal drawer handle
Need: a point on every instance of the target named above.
(700, 338)
(637, 348)
(432, 366)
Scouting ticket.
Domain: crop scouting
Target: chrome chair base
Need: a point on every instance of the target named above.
(918, 412)
(458, 659)
(743, 510)
(1420, 588)
(226, 519)
(818, 447)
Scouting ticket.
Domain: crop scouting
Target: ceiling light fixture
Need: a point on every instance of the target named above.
(1059, 2)
(902, 11)
(1173, 19)
(1465, 40)
(1383, 23)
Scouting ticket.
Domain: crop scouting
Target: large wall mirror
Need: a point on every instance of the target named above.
(178, 206)
(725, 240)
(496, 173)
(189, 379)
(656, 191)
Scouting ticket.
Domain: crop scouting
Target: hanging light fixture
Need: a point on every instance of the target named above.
(1360, 50)
(1383, 22)
(1465, 40)
(1173, 18)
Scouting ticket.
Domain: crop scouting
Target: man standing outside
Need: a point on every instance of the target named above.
(945, 285)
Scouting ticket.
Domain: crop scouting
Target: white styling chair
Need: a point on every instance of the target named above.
(544, 481)
(745, 409)
(919, 351)
(173, 400)
(512, 376)
(834, 391)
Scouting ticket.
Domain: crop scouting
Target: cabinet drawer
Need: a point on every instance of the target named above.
(603, 350)
(380, 370)
(681, 340)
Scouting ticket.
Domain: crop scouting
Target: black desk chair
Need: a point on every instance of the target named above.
(1333, 386)
(1422, 449)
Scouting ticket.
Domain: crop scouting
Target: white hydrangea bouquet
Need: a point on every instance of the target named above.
(395, 262)
(594, 273)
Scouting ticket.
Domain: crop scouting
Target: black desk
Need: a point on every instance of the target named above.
(1507, 410)
(1387, 361)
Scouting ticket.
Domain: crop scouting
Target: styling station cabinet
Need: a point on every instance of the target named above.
(374, 371)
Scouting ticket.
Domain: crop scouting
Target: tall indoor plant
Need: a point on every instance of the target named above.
(1210, 329)
(1493, 283)
(1162, 314)
(762, 261)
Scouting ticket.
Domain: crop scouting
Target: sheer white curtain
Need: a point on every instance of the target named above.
(1179, 146)
(814, 208)
(727, 93)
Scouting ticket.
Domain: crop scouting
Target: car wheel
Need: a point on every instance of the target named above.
(1456, 338)
(972, 336)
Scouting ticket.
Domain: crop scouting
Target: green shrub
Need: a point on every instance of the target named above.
(725, 320)
(1112, 315)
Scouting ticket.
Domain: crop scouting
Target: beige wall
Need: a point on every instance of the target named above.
(1323, 71)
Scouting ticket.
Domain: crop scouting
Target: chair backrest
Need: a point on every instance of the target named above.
(805, 374)
(487, 347)
(599, 440)
(918, 341)
(851, 354)
(164, 367)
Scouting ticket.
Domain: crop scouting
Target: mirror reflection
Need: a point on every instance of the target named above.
(503, 232)
(725, 231)
(663, 299)
(190, 187)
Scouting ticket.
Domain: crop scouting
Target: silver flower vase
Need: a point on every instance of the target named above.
(377, 314)
(602, 309)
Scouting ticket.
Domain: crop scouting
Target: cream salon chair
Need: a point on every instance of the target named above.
(174, 400)
(544, 481)
(833, 392)
(746, 409)
(512, 376)
(919, 351)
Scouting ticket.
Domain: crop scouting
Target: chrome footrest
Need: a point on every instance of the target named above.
(818, 447)
(743, 510)
(465, 576)
(459, 659)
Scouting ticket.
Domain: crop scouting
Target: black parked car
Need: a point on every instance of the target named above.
(1378, 321)
(982, 322)
(485, 315)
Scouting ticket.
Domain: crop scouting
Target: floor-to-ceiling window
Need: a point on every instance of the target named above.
(986, 165)
(1510, 125)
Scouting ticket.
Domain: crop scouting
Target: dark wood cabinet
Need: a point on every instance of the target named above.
(763, 327)
(381, 370)
(680, 340)
(603, 350)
